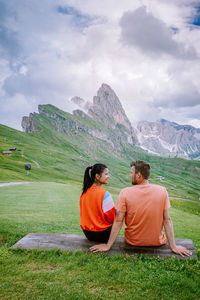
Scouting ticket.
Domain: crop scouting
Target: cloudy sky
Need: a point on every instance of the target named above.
(148, 51)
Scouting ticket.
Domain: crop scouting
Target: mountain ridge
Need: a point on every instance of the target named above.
(169, 138)
(106, 119)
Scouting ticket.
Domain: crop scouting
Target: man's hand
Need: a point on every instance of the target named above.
(100, 248)
(170, 236)
(181, 251)
(117, 225)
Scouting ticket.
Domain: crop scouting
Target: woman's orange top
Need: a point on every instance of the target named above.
(97, 211)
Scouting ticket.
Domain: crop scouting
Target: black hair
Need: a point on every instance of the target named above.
(89, 176)
(142, 167)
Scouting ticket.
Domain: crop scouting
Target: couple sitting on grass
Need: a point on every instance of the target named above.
(144, 207)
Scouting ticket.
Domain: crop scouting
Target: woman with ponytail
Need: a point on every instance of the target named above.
(97, 211)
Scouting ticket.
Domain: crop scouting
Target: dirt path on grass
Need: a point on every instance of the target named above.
(178, 198)
(13, 183)
(183, 199)
(25, 182)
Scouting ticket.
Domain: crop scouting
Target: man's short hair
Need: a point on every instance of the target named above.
(142, 167)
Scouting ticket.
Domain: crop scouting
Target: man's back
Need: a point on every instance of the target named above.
(144, 206)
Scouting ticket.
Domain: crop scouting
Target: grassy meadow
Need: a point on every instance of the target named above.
(62, 158)
(54, 208)
(50, 204)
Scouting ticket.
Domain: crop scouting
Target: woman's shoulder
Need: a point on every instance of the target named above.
(100, 189)
(97, 189)
(94, 189)
(96, 192)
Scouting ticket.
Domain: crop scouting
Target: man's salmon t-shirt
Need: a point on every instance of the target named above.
(144, 206)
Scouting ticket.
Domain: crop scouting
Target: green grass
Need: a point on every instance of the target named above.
(64, 157)
(187, 206)
(54, 208)
(67, 275)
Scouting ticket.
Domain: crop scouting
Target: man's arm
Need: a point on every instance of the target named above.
(117, 225)
(170, 236)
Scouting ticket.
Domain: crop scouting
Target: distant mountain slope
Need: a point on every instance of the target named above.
(61, 157)
(159, 138)
(63, 144)
(169, 138)
(106, 120)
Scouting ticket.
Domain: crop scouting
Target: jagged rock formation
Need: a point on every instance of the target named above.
(85, 105)
(169, 138)
(79, 101)
(105, 119)
(28, 124)
(80, 114)
(61, 120)
(108, 109)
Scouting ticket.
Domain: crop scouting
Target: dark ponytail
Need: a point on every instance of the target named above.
(89, 176)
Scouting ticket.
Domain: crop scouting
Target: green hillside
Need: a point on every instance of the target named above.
(62, 157)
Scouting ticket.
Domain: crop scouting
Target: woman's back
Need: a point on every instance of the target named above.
(92, 215)
(97, 211)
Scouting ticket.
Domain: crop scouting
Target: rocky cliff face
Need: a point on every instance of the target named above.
(169, 138)
(112, 124)
(107, 108)
(81, 103)
(75, 124)
(105, 119)
(61, 121)
(28, 124)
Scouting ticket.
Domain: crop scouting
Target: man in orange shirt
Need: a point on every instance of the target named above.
(145, 209)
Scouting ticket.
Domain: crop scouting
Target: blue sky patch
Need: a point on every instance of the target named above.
(197, 17)
(79, 20)
(195, 20)
(174, 29)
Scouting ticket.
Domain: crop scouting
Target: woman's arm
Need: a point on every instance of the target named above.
(109, 208)
(110, 215)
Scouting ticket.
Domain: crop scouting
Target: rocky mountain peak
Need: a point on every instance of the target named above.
(77, 100)
(81, 103)
(165, 137)
(106, 120)
(28, 123)
(107, 100)
(107, 107)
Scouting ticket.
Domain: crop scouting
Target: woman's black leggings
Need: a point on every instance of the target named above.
(98, 236)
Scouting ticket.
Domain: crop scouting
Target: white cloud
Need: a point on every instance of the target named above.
(194, 123)
(149, 34)
(54, 50)
(13, 108)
